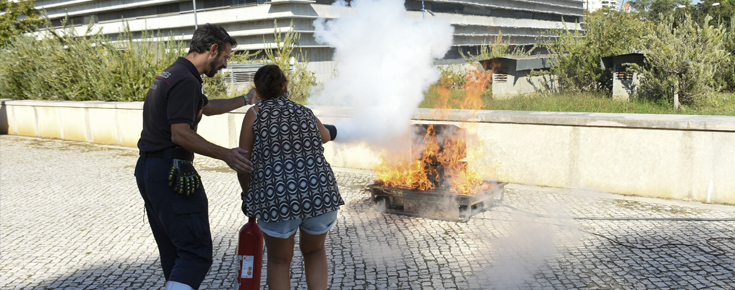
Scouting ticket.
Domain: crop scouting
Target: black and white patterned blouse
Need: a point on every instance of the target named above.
(291, 179)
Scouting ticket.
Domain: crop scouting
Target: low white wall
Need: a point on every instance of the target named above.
(668, 156)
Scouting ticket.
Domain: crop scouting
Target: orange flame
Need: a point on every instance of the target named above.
(477, 81)
(420, 170)
(432, 166)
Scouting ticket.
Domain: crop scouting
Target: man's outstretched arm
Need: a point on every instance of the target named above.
(185, 137)
(221, 106)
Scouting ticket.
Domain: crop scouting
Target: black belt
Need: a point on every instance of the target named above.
(173, 153)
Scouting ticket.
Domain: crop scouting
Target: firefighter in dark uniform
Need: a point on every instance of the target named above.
(174, 197)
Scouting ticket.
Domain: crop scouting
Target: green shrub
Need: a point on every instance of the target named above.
(493, 49)
(685, 58)
(62, 65)
(18, 17)
(576, 55)
(728, 73)
(451, 78)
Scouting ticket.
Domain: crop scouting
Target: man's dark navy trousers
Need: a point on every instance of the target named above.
(180, 223)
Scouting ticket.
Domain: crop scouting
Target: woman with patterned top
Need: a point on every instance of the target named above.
(292, 186)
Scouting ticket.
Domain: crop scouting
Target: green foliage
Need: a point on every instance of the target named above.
(19, 17)
(576, 56)
(661, 9)
(728, 75)
(655, 10)
(493, 49)
(640, 6)
(63, 65)
(452, 78)
(300, 79)
(721, 13)
(584, 102)
(686, 58)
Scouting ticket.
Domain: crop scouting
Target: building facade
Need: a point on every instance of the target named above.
(251, 22)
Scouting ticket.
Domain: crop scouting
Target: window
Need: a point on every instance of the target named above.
(87, 19)
(237, 77)
(447, 7)
(168, 8)
(522, 15)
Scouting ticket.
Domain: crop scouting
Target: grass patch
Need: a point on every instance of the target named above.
(721, 104)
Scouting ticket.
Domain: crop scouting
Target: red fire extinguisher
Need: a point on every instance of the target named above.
(250, 255)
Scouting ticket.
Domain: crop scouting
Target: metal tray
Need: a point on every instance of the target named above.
(435, 204)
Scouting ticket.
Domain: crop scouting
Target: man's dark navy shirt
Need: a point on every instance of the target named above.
(174, 97)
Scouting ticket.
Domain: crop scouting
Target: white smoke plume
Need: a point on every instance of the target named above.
(383, 65)
(530, 241)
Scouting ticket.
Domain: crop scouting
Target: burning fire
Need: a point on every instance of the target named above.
(477, 81)
(437, 163)
(437, 160)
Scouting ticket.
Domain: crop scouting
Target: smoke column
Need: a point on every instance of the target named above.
(383, 65)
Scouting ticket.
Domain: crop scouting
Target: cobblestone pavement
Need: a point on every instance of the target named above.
(71, 217)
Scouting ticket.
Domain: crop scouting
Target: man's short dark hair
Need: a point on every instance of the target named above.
(209, 34)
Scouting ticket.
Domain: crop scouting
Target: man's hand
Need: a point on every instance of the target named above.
(252, 97)
(235, 159)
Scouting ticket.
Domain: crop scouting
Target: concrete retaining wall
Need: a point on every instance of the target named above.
(668, 156)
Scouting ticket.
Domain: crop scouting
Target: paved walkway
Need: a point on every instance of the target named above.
(71, 218)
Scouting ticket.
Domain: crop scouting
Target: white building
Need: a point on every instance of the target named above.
(250, 21)
(594, 5)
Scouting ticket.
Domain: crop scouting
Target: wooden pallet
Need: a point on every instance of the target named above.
(435, 204)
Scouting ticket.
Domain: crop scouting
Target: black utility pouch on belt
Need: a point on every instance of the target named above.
(183, 177)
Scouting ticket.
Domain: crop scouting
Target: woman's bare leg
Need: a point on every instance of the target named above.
(315, 260)
(280, 253)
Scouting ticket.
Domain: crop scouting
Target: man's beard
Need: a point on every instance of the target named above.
(213, 66)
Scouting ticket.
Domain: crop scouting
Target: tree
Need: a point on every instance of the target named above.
(720, 10)
(660, 9)
(685, 58)
(728, 75)
(19, 17)
(300, 79)
(641, 6)
(576, 56)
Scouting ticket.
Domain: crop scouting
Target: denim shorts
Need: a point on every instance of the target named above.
(313, 226)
